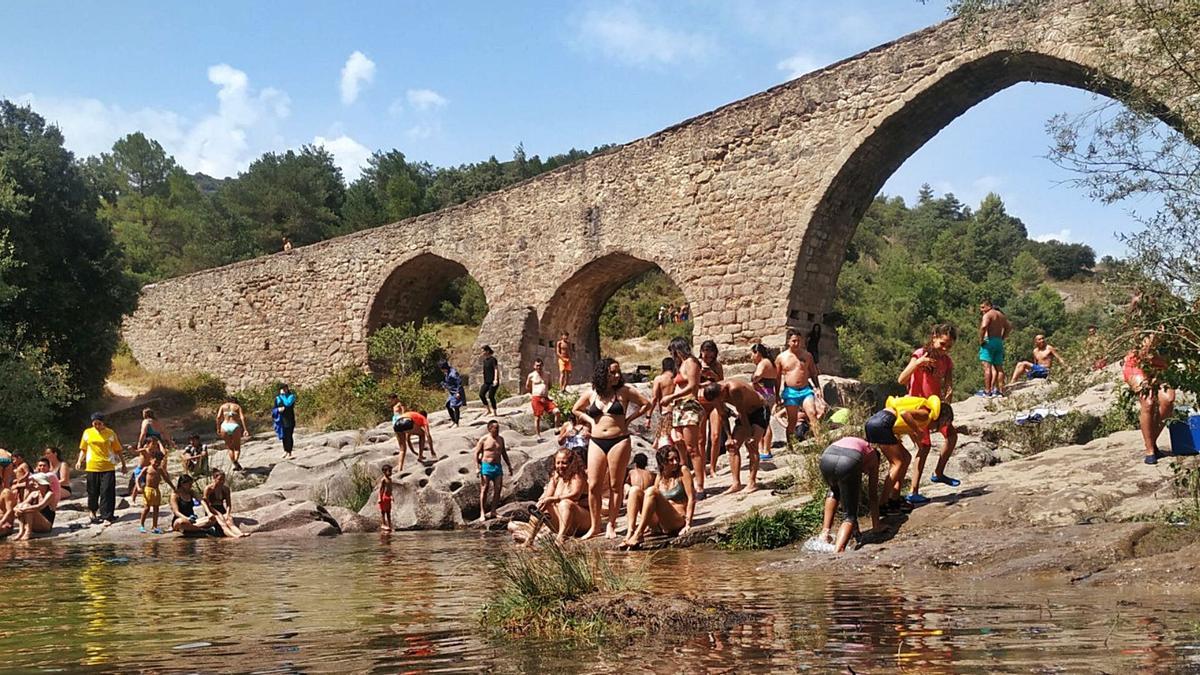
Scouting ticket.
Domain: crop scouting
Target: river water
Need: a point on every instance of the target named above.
(409, 603)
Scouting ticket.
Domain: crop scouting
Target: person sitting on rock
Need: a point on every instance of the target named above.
(753, 418)
(219, 501)
(489, 451)
(670, 504)
(405, 424)
(183, 512)
(35, 514)
(574, 435)
(638, 480)
(1044, 355)
(842, 466)
(563, 504)
(193, 454)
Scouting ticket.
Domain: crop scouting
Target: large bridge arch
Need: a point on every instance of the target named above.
(409, 289)
(898, 132)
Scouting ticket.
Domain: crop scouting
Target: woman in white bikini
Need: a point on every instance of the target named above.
(231, 427)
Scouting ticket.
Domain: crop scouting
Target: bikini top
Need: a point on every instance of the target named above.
(681, 379)
(229, 414)
(151, 432)
(707, 374)
(676, 494)
(613, 409)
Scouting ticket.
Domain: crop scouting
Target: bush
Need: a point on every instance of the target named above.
(350, 399)
(407, 350)
(757, 532)
(1122, 415)
(202, 389)
(1075, 429)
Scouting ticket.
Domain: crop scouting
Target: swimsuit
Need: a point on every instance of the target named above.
(841, 467)
(542, 405)
(5, 461)
(992, 350)
(606, 444)
(1038, 372)
(676, 493)
(687, 413)
(880, 430)
(229, 426)
(613, 409)
(216, 507)
(48, 514)
(760, 418)
(151, 432)
(575, 441)
(489, 470)
(153, 496)
(793, 396)
(402, 424)
(766, 389)
(385, 501)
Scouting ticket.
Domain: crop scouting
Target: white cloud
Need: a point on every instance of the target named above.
(425, 99)
(799, 64)
(349, 155)
(245, 124)
(358, 71)
(396, 108)
(1063, 235)
(621, 34)
(424, 130)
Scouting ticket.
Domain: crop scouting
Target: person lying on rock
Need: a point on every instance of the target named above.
(842, 466)
(563, 504)
(489, 451)
(752, 420)
(219, 502)
(670, 504)
(183, 512)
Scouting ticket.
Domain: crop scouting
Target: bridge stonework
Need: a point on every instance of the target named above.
(748, 208)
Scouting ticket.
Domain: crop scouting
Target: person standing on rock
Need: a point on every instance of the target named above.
(1142, 370)
(99, 454)
(456, 395)
(753, 420)
(408, 423)
(686, 411)
(489, 452)
(231, 427)
(766, 382)
(994, 327)
(285, 405)
(564, 351)
(712, 426)
(930, 372)
(801, 384)
(539, 397)
(491, 379)
(605, 408)
(385, 499)
(153, 429)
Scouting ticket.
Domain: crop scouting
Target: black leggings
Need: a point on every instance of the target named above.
(288, 440)
(487, 394)
(842, 470)
(455, 412)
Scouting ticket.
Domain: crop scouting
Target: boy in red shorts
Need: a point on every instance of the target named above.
(385, 499)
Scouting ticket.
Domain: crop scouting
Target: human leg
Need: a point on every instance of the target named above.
(93, 492)
(1147, 421)
(814, 418)
(741, 434)
(483, 493)
(648, 516)
(618, 464)
(633, 507)
(1019, 371)
(714, 440)
(289, 440)
(898, 458)
(752, 445)
(918, 468)
(108, 493)
(691, 443)
(597, 478)
(497, 487)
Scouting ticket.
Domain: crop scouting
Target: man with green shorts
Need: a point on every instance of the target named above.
(993, 328)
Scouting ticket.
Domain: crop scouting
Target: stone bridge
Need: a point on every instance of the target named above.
(748, 208)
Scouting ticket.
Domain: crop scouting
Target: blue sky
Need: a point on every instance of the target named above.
(219, 83)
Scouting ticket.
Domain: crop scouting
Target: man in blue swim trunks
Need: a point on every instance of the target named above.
(993, 328)
(800, 383)
(1044, 355)
(489, 451)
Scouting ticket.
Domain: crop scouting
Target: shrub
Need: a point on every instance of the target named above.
(350, 399)
(757, 532)
(408, 349)
(202, 389)
(1074, 429)
(1121, 415)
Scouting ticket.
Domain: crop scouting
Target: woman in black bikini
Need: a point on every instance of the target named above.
(604, 410)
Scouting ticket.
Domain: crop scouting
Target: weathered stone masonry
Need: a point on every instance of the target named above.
(748, 208)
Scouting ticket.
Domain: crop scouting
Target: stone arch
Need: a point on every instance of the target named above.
(576, 304)
(872, 157)
(410, 288)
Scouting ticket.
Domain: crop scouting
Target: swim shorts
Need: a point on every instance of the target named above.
(880, 429)
(793, 396)
(153, 496)
(687, 413)
(1037, 372)
(564, 365)
(542, 405)
(403, 425)
(489, 470)
(385, 503)
(992, 351)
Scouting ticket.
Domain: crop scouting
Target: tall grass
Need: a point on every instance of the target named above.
(757, 532)
(538, 585)
(353, 493)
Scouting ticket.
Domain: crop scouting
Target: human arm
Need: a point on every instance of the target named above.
(984, 323)
(1054, 353)
(504, 455)
(142, 433)
(915, 420)
(242, 421)
(948, 384)
(548, 491)
(580, 409)
(690, 370)
(114, 445)
(913, 363)
(479, 453)
(82, 452)
(634, 396)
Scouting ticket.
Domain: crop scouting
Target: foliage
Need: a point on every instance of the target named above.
(408, 349)
(564, 399)
(462, 302)
(1185, 480)
(1122, 415)
(63, 291)
(352, 494)
(1075, 429)
(757, 532)
(538, 585)
(633, 310)
(1063, 261)
(32, 393)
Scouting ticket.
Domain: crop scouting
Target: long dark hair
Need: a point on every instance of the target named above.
(939, 330)
(681, 346)
(600, 377)
(763, 351)
(661, 458)
(712, 346)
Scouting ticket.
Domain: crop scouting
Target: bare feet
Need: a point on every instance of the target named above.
(736, 487)
(590, 534)
(611, 533)
(752, 488)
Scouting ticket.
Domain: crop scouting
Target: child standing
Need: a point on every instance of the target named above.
(154, 476)
(488, 453)
(146, 454)
(385, 499)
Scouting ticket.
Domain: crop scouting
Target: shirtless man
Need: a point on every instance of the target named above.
(562, 349)
(752, 421)
(539, 397)
(489, 450)
(1044, 355)
(662, 385)
(993, 328)
(800, 382)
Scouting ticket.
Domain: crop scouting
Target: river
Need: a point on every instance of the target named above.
(409, 602)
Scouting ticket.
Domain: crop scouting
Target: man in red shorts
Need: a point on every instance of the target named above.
(539, 397)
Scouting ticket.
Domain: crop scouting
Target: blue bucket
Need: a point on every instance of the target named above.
(1185, 436)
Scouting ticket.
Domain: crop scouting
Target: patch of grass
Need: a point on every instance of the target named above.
(538, 585)
(458, 341)
(195, 388)
(353, 493)
(757, 532)
(1121, 415)
(1075, 429)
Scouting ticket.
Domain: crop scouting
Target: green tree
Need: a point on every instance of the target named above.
(390, 189)
(1064, 261)
(1027, 272)
(67, 289)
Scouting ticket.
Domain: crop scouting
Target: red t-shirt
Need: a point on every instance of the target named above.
(928, 381)
(418, 419)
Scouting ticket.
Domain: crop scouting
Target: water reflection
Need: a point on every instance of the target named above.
(408, 603)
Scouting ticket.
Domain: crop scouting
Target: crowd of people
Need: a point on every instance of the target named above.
(694, 412)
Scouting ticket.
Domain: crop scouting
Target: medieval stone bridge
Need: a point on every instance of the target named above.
(748, 208)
